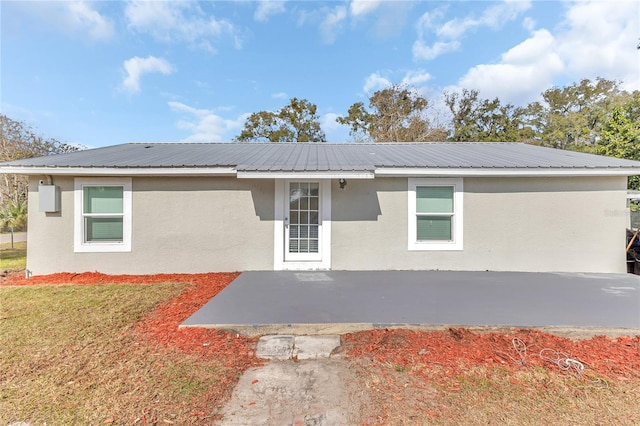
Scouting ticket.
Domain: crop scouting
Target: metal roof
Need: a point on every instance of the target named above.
(255, 158)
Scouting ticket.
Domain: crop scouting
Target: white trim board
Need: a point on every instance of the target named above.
(382, 172)
(310, 175)
(117, 171)
(515, 172)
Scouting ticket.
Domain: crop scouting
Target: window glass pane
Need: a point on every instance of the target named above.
(313, 217)
(304, 203)
(294, 217)
(304, 246)
(313, 231)
(304, 218)
(103, 199)
(293, 231)
(293, 246)
(313, 189)
(434, 199)
(293, 203)
(313, 203)
(103, 229)
(434, 228)
(313, 246)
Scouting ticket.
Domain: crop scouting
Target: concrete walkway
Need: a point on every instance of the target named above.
(306, 383)
(335, 302)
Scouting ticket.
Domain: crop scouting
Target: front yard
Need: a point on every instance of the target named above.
(112, 353)
(96, 349)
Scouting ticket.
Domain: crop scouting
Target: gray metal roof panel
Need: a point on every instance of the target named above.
(273, 157)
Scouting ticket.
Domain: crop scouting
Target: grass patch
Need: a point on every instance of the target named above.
(70, 355)
(15, 258)
(484, 396)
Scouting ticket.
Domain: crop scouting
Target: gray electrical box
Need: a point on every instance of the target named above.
(49, 198)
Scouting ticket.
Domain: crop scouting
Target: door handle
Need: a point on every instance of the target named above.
(286, 222)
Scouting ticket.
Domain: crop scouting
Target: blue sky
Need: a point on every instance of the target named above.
(103, 73)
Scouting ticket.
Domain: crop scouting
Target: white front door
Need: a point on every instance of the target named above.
(305, 224)
(302, 222)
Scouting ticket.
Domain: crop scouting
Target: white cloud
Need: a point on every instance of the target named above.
(375, 82)
(582, 45)
(70, 17)
(136, 67)
(497, 15)
(178, 21)
(329, 122)
(268, 8)
(416, 78)
(82, 16)
(280, 95)
(363, 7)
(422, 51)
(332, 23)
(599, 39)
(529, 24)
(448, 34)
(381, 18)
(522, 74)
(205, 125)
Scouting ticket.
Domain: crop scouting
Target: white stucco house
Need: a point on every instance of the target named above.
(145, 208)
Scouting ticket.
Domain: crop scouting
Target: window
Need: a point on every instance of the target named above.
(435, 214)
(102, 215)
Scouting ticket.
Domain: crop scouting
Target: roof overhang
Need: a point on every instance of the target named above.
(504, 172)
(307, 175)
(121, 171)
(362, 174)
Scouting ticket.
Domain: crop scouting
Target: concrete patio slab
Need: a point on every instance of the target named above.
(335, 302)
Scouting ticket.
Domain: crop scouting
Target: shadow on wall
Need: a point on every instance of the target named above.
(263, 201)
(358, 201)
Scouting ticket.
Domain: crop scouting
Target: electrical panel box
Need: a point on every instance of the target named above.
(49, 198)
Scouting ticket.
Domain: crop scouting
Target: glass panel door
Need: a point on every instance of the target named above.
(302, 221)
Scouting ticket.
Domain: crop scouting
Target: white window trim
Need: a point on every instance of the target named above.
(80, 246)
(458, 209)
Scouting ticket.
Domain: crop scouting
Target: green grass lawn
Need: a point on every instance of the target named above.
(15, 258)
(70, 355)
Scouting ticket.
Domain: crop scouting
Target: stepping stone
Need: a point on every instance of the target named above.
(299, 347)
(275, 347)
(313, 347)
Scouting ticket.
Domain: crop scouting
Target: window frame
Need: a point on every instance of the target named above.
(82, 246)
(456, 242)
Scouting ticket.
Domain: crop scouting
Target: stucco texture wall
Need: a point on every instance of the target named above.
(200, 224)
(572, 224)
(180, 225)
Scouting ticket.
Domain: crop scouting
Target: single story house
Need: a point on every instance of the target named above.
(144, 208)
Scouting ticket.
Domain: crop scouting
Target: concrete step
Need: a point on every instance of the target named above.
(297, 347)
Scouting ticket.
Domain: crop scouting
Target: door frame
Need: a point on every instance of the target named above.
(324, 231)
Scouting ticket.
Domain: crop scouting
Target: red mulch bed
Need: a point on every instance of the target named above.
(456, 350)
